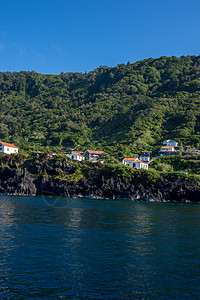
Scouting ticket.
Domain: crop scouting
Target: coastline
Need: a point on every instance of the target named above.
(59, 177)
(90, 197)
(180, 191)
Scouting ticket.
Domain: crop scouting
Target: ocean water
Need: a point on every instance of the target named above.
(59, 248)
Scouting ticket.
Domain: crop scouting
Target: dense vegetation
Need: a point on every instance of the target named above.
(185, 162)
(186, 166)
(122, 110)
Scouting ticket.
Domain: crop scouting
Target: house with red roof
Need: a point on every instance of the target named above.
(6, 148)
(93, 155)
(76, 155)
(165, 150)
(170, 147)
(134, 162)
(193, 150)
(128, 160)
(139, 164)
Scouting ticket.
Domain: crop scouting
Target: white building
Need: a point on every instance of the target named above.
(193, 150)
(135, 163)
(76, 156)
(127, 161)
(170, 143)
(6, 148)
(138, 164)
(167, 149)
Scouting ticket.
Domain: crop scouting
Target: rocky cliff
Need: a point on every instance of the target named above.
(22, 182)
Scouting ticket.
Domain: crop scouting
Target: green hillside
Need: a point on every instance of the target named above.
(133, 106)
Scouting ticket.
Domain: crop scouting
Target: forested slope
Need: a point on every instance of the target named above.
(138, 105)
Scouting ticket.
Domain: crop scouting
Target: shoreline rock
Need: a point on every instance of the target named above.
(14, 182)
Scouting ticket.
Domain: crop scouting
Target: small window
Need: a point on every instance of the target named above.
(7, 149)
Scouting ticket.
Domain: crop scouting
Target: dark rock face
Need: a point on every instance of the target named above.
(162, 190)
(17, 182)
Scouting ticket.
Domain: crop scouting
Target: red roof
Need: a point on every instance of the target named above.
(146, 152)
(167, 147)
(8, 145)
(130, 158)
(193, 149)
(75, 153)
(140, 161)
(94, 152)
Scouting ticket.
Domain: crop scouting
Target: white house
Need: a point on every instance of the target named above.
(170, 143)
(193, 150)
(76, 156)
(127, 161)
(6, 148)
(135, 163)
(138, 164)
(167, 149)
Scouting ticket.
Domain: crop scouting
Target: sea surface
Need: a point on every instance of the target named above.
(59, 248)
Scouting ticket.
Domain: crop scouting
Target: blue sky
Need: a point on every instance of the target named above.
(54, 36)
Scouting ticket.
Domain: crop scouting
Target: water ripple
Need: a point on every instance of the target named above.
(92, 249)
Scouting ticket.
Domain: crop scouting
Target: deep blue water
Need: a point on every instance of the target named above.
(93, 249)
